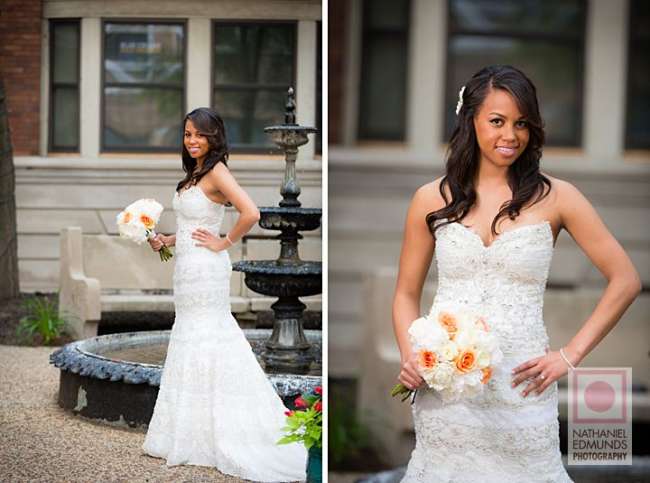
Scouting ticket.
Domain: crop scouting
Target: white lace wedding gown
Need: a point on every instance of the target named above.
(215, 406)
(500, 436)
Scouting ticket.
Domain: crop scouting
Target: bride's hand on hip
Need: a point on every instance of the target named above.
(409, 375)
(541, 372)
(208, 240)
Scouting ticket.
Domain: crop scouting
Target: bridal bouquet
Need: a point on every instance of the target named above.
(137, 223)
(456, 353)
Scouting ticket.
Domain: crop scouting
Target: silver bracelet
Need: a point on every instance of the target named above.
(229, 240)
(566, 359)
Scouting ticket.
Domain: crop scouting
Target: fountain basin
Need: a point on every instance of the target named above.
(290, 218)
(115, 378)
(282, 278)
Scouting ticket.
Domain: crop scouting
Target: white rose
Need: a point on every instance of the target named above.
(482, 359)
(443, 376)
(425, 334)
(134, 232)
(449, 351)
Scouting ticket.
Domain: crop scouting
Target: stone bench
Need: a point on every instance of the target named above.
(106, 273)
(390, 420)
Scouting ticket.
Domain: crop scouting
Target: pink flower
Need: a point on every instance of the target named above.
(300, 402)
(318, 390)
(288, 413)
(318, 406)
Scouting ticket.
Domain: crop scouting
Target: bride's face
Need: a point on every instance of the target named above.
(196, 144)
(501, 130)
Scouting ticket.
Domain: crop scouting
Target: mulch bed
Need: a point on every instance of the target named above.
(12, 310)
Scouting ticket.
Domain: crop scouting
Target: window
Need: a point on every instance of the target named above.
(254, 65)
(64, 86)
(143, 100)
(382, 97)
(543, 39)
(637, 128)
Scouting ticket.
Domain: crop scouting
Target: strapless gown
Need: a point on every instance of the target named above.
(500, 436)
(215, 405)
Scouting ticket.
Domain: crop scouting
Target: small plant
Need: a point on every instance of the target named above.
(348, 436)
(42, 319)
(305, 424)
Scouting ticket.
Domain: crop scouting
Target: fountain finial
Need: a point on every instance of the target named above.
(290, 106)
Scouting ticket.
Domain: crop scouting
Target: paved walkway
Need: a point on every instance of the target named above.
(41, 442)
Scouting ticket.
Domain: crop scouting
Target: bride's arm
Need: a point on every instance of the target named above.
(624, 284)
(219, 179)
(585, 226)
(415, 260)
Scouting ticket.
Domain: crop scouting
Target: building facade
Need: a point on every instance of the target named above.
(96, 96)
(395, 69)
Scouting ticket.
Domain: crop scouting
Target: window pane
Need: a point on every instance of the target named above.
(554, 69)
(254, 54)
(139, 118)
(517, 16)
(384, 69)
(386, 14)
(151, 53)
(637, 128)
(382, 116)
(247, 112)
(66, 52)
(65, 119)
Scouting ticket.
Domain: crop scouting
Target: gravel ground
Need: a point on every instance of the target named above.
(40, 442)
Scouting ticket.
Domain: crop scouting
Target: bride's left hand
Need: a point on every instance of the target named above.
(541, 371)
(209, 240)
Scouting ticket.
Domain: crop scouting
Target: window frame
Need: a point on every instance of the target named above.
(318, 114)
(215, 23)
(366, 39)
(52, 85)
(578, 40)
(183, 89)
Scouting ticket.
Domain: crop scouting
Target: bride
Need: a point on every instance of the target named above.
(493, 181)
(215, 406)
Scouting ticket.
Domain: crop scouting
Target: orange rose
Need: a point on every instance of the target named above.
(147, 222)
(127, 217)
(427, 359)
(487, 374)
(481, 322)
(466, 360)
(449, 323)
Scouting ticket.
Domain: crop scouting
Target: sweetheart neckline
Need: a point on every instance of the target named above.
(543, 223)
(202, 192)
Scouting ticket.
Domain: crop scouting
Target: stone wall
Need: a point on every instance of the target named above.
(52, 193)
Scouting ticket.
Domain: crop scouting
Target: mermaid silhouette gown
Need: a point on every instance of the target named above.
(215, 405)
(500, 436)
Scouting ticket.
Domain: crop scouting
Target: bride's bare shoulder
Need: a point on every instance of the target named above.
(427, 197)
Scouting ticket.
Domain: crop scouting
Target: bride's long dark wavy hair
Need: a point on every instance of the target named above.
(208, 123)
(463, 154)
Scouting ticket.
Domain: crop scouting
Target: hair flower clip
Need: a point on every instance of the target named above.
(460, 99)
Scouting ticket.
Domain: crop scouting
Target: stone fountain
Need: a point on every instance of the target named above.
(288, 277)
(114, 378)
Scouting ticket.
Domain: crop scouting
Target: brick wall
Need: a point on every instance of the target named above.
(337, 41)
(20, 68)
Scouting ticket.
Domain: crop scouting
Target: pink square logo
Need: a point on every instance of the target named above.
(600, 395)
